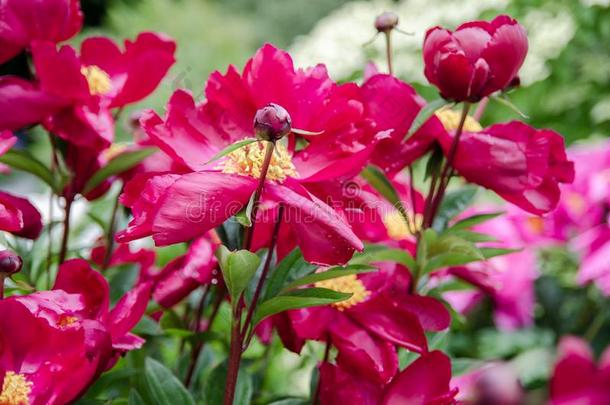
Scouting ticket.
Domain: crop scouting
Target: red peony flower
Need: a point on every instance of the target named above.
(74, 93)
(365, 328)
(24, 21)
(576, 378)
(175, 208)
(82, 336)
(475, 60)
(425, 381)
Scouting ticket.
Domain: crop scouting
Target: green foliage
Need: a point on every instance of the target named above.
(238, 268)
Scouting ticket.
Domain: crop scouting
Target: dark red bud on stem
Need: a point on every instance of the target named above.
(272, 123)
(386, 21)
(10, 263)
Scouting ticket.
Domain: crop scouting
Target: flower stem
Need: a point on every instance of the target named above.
(478, 113)
(110, 235)
(64, 240)
(261, 281)
(388, 50)
(258, 193)
(2, 278)
(235, 350)
(447, 171)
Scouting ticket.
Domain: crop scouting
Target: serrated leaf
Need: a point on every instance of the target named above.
(295, 299)
(474, 220)
(231, 148)
(238, 268)
(24, 161)
(424, 114)
(119, 164)
(379, 253)
(329, 274)
(454, 203)
(163, 386)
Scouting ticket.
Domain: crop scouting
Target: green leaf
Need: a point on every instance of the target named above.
(453, 204)
(231, 148)
(291, 401)
(291, 268)
(434, 163)
(135, 398)
(379, 253)
(474, 220)
(489, 252)
(382, 184)
(119, 164)
(451, 250)
(163, 386)
(244, 217)
(214, 388)
(505, 101)
(329, 274)
(295, 299)
(238, 268)
(471, 236)
(424, 114)
(24, 161)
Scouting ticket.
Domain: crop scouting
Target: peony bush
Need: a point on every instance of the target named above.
(288, 238)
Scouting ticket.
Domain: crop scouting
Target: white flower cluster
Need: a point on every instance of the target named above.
(337, 40)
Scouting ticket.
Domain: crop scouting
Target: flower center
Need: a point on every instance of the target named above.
(64, 321)
(346, 284)
(15, 389)
(397, 227)
(576, 203)
(248, 161)
(535, 225)
(451, 121)
(98, 80)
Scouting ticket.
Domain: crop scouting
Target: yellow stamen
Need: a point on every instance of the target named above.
(16, 389)
(397, 226)
(535, 225)
(248, 161)
(65, 321)
(451, 121)
(576, 203)
(98, 80)
(346, 284)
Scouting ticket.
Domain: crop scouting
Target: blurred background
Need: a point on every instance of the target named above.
(566, 78)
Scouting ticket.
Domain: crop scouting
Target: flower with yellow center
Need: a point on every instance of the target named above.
(346, 284)
(99, 81)
(248, 161)
(16, 389)
(451, 121)
(397, 227)
(65, 321)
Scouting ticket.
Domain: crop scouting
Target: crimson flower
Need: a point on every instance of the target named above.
(75, 93)
(365, 328)
(425, 381)
(477, 59)
(179, 207)
(82, 336)
(576, 377)
(17, 215)
(24, 21)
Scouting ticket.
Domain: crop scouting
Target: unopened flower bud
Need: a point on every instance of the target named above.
(386, 21)
(272, 122)
(10, 263)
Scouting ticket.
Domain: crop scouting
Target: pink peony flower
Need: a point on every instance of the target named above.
(175, 208)
(475, 60)
(576, 377)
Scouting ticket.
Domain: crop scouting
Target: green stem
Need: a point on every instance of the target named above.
(66, 235)
(110, 235)
(388, 50)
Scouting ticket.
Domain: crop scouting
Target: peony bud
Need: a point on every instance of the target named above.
(272, 122)
(386, 21)
(10, 263)
(477, 59)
